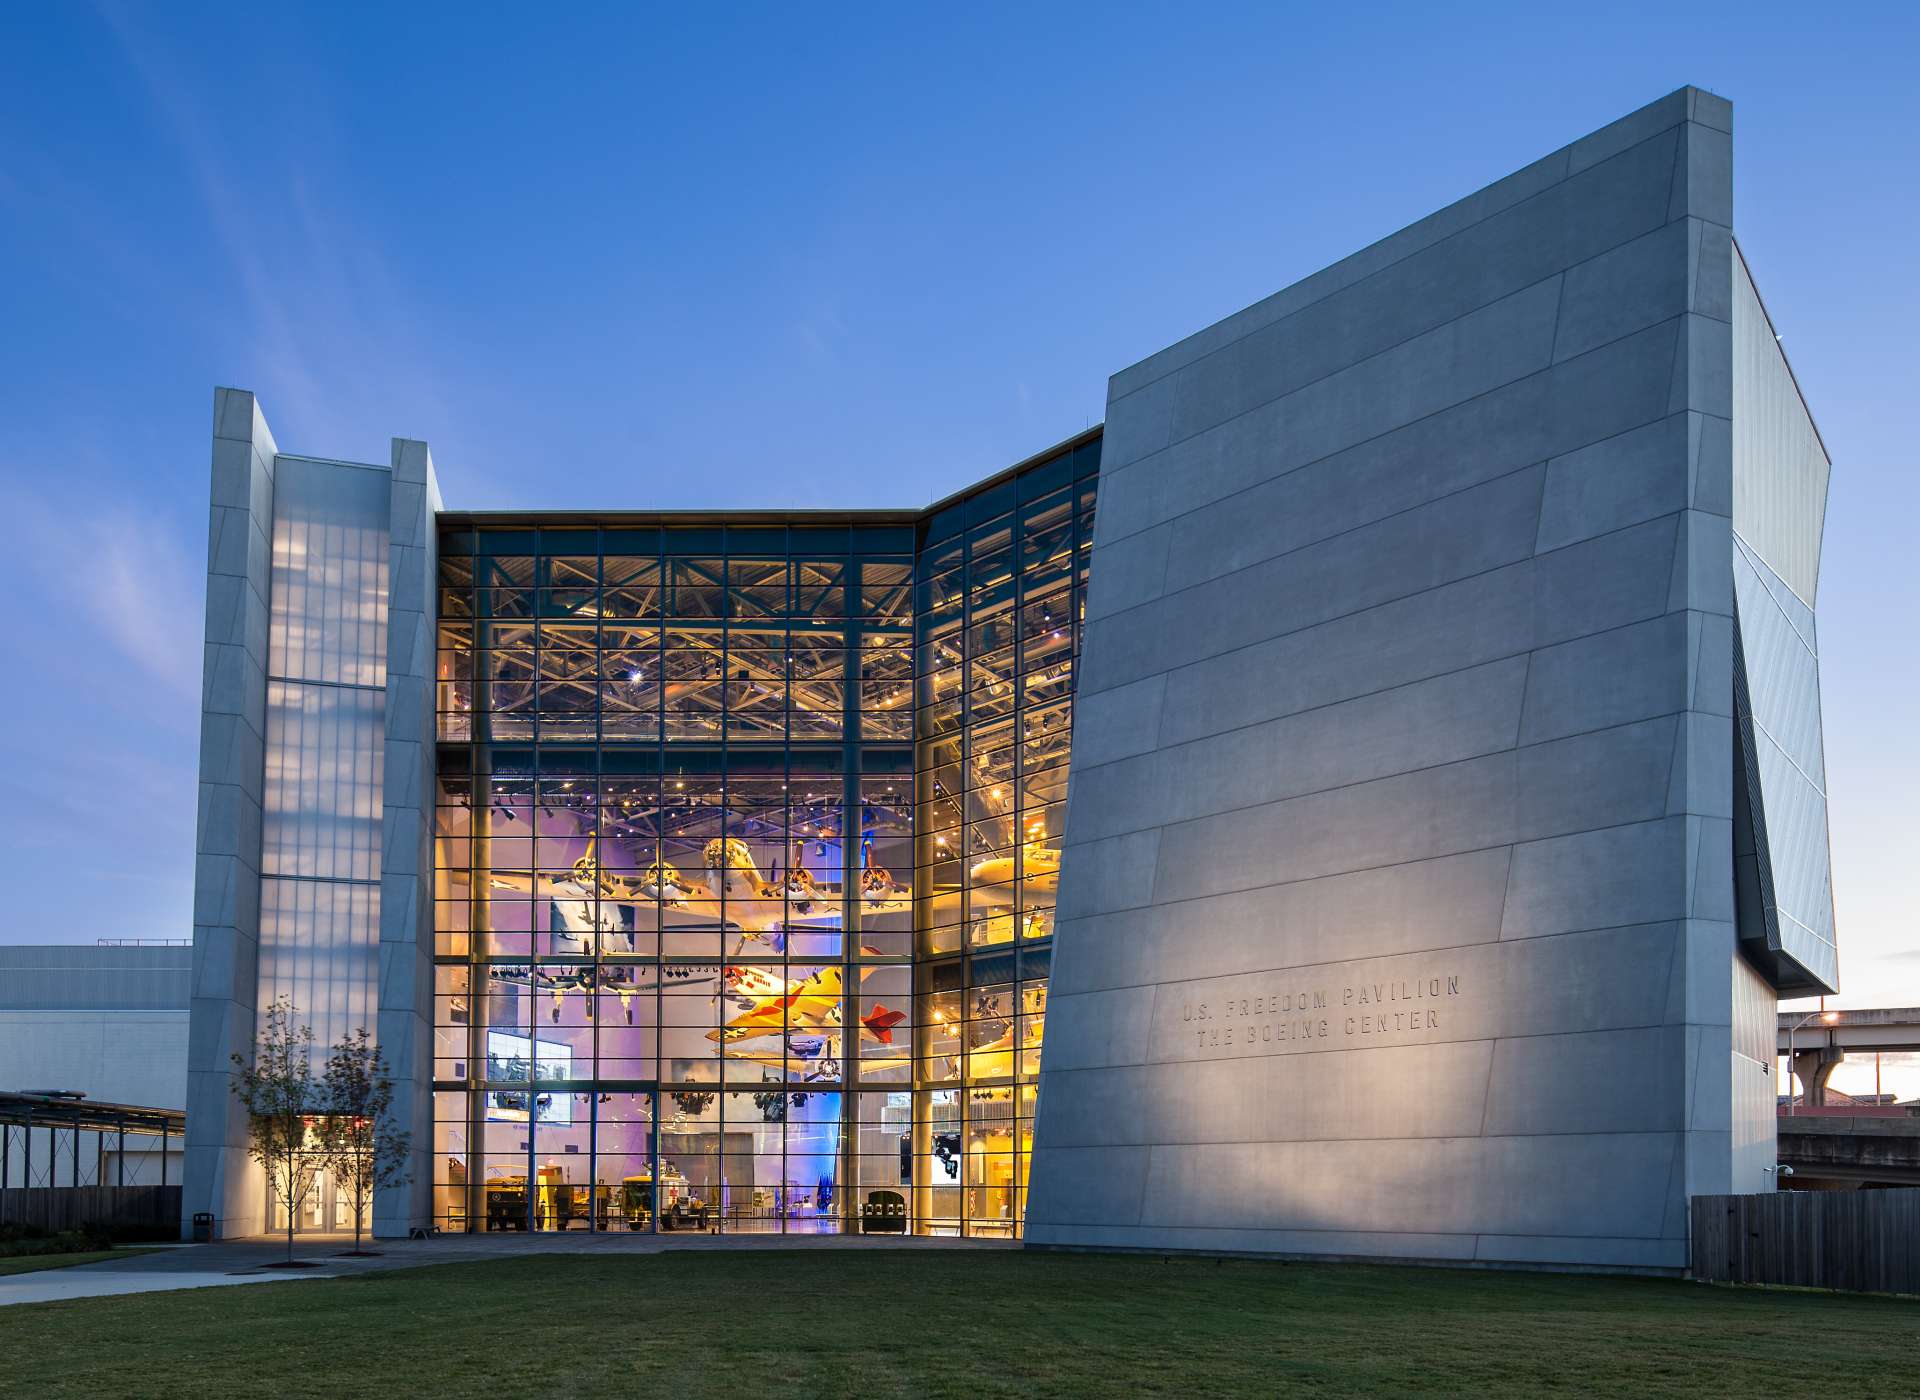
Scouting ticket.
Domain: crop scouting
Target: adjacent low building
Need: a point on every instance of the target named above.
(1430, 653)
(90, 1025)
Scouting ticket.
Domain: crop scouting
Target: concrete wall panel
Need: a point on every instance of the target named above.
(1401, 684)
(405, 1028)
(226, 933)
(1387, 909)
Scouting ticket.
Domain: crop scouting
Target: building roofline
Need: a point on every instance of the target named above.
(586, 519)
(1079, 439)
(380, 467)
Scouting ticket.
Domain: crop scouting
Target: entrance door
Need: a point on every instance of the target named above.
(327, 1210)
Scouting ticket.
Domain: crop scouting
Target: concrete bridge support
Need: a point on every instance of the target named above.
(1813, 1067)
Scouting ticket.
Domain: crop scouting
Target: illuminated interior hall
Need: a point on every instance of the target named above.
(746, 841)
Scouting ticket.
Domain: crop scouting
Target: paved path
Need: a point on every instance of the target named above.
(244, 1261)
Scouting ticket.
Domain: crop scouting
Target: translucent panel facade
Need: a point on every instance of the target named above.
(328, 607)
(688, 908)
(324, 756)
(1780, 466)
(325, 733)
(319, 947)
(1784, 888)
(1778, 704)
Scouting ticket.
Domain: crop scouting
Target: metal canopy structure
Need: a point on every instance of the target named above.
(66, 1118)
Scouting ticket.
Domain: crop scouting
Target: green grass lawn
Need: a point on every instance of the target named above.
(33, 1263)
(958, 1324)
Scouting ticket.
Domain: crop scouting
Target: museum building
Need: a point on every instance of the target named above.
(1431, 647)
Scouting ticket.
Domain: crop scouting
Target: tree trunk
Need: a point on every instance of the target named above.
(293, 1200)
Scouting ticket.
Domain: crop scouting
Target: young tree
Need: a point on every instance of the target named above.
(363, 1146)
(283, 1102)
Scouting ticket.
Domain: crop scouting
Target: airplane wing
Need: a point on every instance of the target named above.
(768, 1017)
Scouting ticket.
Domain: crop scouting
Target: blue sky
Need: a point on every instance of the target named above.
(805, 256)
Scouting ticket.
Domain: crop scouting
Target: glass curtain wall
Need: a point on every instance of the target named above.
(747, 844)
(1000, 590)
(674, 925)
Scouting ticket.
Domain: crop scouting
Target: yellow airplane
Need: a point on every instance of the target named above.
(994, 1058)
(798, 1010)
(812, 1003)
(1041, 861)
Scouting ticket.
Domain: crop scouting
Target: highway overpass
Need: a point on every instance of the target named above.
(1839, 1153)
(1819, 1040)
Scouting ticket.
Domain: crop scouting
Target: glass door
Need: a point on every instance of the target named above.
(327, 1210)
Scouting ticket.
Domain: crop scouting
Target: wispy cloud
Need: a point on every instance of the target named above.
(144, 593)
(227, 215)
(101, 724)
(325, 330)
(137, 598)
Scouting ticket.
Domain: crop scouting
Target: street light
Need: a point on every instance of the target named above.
(1828, 1017)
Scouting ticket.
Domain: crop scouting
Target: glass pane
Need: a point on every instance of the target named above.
(623, 1162)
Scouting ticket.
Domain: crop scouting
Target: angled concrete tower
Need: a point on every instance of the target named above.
(1446, 809)
(316, 774)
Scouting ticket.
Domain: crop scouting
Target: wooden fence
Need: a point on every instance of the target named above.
(1861, 1241)
(119, 1207)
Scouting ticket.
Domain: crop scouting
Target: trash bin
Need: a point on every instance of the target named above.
(203, 1227)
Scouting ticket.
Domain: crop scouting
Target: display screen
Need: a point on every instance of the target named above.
(519, 1057)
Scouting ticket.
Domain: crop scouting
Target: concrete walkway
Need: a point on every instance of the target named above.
(245, 1261)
